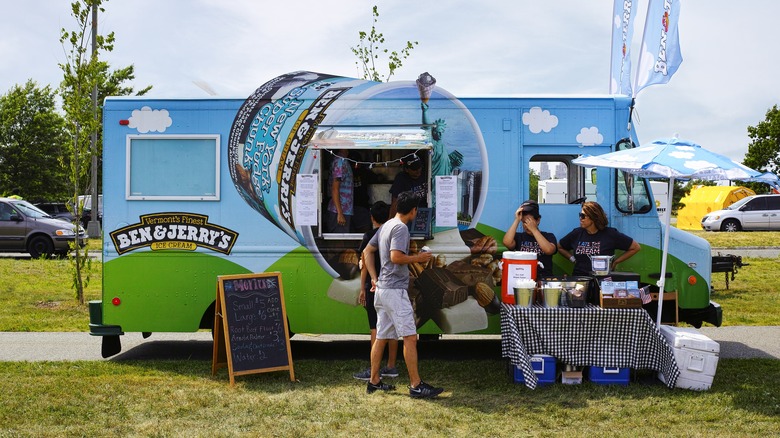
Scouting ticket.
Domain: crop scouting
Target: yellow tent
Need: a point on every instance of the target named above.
(705, 199)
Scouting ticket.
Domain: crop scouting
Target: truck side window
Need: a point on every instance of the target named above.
(631, 191)
(554, 180)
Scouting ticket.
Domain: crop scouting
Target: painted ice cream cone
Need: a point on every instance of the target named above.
(425, 84)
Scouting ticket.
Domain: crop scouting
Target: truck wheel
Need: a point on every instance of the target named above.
(39, 246)
(730, 225)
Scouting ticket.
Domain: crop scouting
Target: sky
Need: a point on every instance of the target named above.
(727, 81)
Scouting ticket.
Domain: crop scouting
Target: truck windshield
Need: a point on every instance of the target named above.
(631, 191)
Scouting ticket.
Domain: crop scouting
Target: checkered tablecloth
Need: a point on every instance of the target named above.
(590, 336)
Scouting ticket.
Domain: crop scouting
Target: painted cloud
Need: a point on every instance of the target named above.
(149, 120)
(589, 136)
(539, 120)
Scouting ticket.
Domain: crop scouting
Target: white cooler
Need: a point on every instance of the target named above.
(696, 356)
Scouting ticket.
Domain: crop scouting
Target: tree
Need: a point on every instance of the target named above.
(81, 75)
(533, 185)
(32, 138)
(84, 74)
(370, 47)
(764, 149)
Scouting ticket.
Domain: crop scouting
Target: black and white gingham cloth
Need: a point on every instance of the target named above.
(590, 336)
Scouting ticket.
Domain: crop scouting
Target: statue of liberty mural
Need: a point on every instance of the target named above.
(442, 162)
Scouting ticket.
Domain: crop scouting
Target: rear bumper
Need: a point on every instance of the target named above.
(712, 314)
(96, 326)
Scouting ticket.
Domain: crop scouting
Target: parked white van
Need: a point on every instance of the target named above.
(753, 213)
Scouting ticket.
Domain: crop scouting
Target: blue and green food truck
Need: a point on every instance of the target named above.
(197, 188)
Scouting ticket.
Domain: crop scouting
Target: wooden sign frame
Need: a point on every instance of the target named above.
(246, 292)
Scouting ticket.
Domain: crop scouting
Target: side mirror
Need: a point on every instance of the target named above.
(16, 218)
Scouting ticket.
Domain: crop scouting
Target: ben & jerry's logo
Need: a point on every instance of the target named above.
(182, 231)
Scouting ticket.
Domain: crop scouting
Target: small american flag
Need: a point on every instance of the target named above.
(644, 294)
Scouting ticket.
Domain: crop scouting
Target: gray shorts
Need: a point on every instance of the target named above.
(395, 316)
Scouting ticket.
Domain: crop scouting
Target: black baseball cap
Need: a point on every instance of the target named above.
(415, 164)
(530, 207)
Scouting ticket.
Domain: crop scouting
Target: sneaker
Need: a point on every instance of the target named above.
(371, 388)
(388, 372)
(424, 390)
(364, 375)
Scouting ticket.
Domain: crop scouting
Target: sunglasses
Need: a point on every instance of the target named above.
(582, 216)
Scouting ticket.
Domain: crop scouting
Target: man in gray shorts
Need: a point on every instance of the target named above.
(395, 316)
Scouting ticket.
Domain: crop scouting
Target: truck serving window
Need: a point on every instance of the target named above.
(375, 159)
(172, 167)
(555, 180)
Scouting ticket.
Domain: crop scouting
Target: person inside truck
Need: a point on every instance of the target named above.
(362, 178)
(412, 179)
(340, 181)
(530, 238)
(594, 237)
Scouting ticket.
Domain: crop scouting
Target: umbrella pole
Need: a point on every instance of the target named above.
(668, 223)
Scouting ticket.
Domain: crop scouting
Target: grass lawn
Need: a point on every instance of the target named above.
(181, 398)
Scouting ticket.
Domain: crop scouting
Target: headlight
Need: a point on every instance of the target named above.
(67, 233)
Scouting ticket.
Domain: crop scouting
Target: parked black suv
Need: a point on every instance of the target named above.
(57, 210)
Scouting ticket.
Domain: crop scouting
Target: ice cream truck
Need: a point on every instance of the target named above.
(198, 188)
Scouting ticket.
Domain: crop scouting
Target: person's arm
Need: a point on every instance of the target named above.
(363, 277)
(544, 244)
(565, 253)
(509, 236)
(393, 207)
(368, 262)
(399, 258)
(563, 250)
(334, 194)
(633, 249)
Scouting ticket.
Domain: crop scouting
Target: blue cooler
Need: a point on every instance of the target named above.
(544, 368)
(609, 375)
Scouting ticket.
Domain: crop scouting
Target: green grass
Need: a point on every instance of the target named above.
(181, 398)
(753, 296)
(37, 295)
(740, 239)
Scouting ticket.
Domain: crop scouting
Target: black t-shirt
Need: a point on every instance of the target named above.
(527, 243)
(361, 179)
(403, 182)
(582, 245)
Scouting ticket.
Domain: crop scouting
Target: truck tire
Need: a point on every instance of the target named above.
(40, 246)
(730, 225)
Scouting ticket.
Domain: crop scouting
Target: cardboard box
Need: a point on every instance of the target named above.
(609, 375)
(696, 356)
(571, 377)
(620, 303)
(543, 366)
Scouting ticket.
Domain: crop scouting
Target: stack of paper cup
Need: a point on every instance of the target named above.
(524, 291)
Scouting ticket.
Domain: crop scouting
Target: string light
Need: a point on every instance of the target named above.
(410, 157)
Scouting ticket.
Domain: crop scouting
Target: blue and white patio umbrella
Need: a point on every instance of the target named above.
(671, 159)
(768, 178)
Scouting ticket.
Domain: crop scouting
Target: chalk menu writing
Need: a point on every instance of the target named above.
(254, 327)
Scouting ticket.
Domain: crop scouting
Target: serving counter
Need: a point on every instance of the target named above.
(589, 336)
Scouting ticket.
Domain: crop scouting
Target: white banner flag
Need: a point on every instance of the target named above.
(620, 60)
(660, 56)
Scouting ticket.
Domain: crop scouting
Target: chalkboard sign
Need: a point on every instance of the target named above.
(250, 325)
